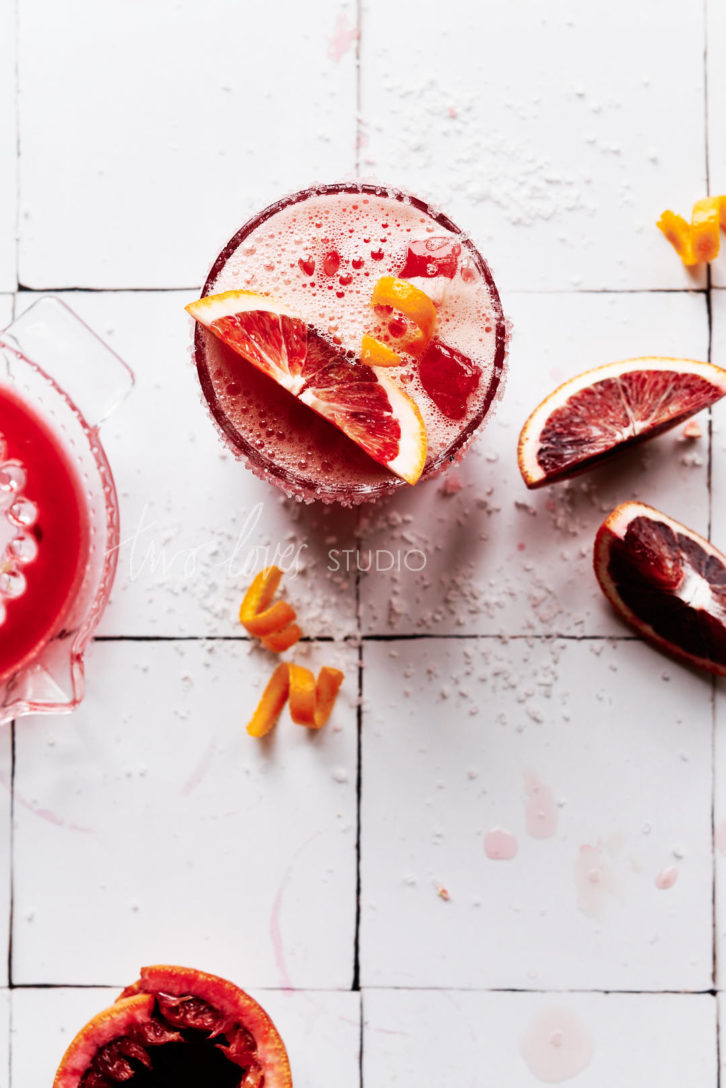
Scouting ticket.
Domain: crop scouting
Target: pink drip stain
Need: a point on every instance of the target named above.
(541, 809)
(556, 1045)
(342, 38)
(500, 845)
(594, 880)
(278, 947)
(45, 813)
(276, 939)
(200, 770)
(721, 838)
(666, 878)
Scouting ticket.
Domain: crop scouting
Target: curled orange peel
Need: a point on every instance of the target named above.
(311, 702)
(412, 302)
(374, 353)
(272, 623)
(698, 240)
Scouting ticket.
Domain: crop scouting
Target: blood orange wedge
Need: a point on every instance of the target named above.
(666, 581)
(179, 1027)
(362, 401)
(600, 412)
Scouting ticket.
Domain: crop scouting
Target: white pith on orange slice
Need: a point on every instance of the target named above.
(600, 412)
(668, 582)
(362, 401)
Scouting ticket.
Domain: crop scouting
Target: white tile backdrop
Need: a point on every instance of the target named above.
(136, 138)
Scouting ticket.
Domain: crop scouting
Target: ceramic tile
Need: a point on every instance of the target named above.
(718, 464)
(196, 525)
(595, 759)
(6, 310)
(171, 131)
(716, 27)
(321, 1032)
(8, 150)
(152, 816)
(556, 162)
(525, 1039)
(477, 551)
(5, 863)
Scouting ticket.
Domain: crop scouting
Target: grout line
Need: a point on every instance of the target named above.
(358, 84)
(394, 989)
(709, 484)
(359, 772)
(11, 905)
(69, 289)
(356, 638)
(176, 288)
(603, 290)
(361, 1036)
(17, 147)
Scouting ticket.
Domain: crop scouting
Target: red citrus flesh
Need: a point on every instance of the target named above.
(595, 415)
(178, 1028)
(666, 581)
(449, 378)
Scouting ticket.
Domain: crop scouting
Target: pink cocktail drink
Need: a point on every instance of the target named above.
(44, 533)
(321, 252)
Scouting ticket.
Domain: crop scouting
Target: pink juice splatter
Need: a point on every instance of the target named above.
(721, 838)
(666, 878)
(594, 880)
(500, 845)
(342, 38)
(541, 809)
(556, 1045)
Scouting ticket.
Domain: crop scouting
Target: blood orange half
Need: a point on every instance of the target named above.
(179, 1027)
(593, 416)
(362, 401)
(666, 581)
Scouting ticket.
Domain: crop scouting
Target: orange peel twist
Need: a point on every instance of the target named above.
(698, 240)
(311, 702)
(274, 623)
(412, 302)
(374, 353)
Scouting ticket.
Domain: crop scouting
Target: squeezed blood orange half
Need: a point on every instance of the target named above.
(598, 413)
(178, 1028)
(666, 581)
(319, 254)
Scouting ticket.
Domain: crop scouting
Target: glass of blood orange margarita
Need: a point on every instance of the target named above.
(320, 253)
(58, 509)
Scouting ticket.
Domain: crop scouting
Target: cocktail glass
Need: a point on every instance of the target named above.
(332, 468)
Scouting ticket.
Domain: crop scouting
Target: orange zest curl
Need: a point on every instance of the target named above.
(311, 703)
(412, 302)
(698, 240)
(271, 623)
(374, 353)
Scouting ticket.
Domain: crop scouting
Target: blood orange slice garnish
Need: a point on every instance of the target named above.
(600, 412)
(665, 580)
(177, 1026)
(362, 401)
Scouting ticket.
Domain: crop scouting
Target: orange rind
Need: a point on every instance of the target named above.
(311, 702)
(374, 353)
(699, 240)
(271, 623)
(413, 303)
